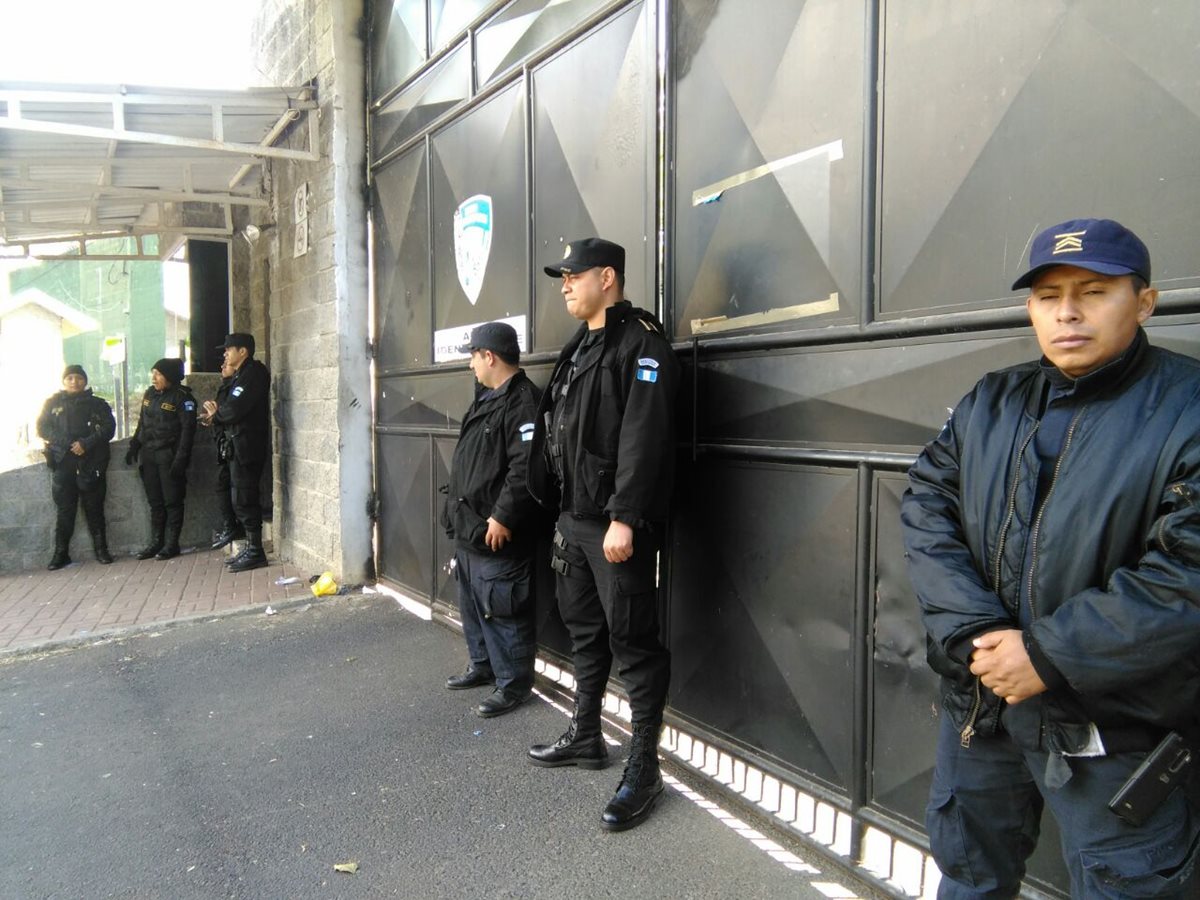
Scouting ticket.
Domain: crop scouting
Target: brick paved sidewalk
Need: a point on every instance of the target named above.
(86, 599)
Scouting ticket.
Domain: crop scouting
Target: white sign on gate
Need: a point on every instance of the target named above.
(472, 242)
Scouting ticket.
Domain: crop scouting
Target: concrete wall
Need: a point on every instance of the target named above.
(314, 308)
(27, 513)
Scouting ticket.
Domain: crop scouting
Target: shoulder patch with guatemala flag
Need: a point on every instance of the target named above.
(237, 391)
(647, 369)
(189, 405)
(526, 431)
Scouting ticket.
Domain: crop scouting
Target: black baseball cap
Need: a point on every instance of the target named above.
(499, 337)
(238, 339)
(588, 253)
(1098, 245)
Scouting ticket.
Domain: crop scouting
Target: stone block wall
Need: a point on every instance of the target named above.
(313, 308)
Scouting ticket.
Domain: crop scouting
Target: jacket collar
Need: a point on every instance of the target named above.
(1108, 375)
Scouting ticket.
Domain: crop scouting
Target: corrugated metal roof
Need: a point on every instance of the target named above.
(81, 163)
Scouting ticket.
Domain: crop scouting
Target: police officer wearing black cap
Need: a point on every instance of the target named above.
(1052, 532)
(604, 456)
(231, 529)
(165, 431)
(245, 416)
(77, 426)
(490, 516)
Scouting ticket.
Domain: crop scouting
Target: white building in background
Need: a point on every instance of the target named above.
(33, 327)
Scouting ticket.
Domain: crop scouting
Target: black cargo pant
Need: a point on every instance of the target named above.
(225, 496)
(165, 494)
(245, 478)
(611, 609)
(67, 495)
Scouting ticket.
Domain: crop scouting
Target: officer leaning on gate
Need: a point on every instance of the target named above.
(77, 426)
(245, 416)
(1052, 531)
(165, 432)
(490, 516)
(231, 528)
(604, 457)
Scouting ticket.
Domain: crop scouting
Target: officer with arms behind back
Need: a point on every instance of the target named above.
(245, 415)
(490, 516)
(604, 455)
(1052, 532)
(165, 432)
(77, 426)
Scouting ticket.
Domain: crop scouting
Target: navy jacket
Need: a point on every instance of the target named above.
(83, 417)
(1110, 561)
(166, 427)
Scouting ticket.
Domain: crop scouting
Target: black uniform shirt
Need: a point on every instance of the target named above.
(166, 425)
(564, 428)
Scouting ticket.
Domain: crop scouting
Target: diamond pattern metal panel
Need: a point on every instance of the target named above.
(761, 615)
(426, 401)
(405, 528)
(482, 153)
(402, 291)
(397, 42)
(889, 396)
(436, 92)
(521, 29)
(768, 159)
(1061, 112)
(593, 161)
(448, 18)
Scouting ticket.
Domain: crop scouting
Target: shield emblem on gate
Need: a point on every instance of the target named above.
(472, 242)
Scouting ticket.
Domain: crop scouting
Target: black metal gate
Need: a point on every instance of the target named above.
(826, 201)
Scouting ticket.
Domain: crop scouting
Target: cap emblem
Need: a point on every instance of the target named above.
(567, 251)
(1069, 242)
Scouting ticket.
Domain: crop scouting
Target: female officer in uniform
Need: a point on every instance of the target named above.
(77, 426)
(165, 431)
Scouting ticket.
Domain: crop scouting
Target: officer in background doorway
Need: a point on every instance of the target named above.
(231, 528)
(490, 517)
(245, 416)
(604, 457)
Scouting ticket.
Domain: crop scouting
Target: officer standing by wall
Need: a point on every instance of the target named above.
(231, 528)
(1052, 531)
(490, 516)
(77, 426)
(245, 416)
(604, 457)
(165, 432)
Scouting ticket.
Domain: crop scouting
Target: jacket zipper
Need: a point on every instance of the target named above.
(969, 729)
(1037, 523)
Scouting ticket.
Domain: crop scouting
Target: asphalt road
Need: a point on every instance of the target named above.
(245, 757)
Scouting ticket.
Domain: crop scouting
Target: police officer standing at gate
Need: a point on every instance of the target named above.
(77, 426)
(1052, 532)
(231, 528)
(603, 455)
(165, 431)
(245, 416)
(489, 515)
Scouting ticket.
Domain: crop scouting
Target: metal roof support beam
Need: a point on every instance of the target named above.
(108, 190)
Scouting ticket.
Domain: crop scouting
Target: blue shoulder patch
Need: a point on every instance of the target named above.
(526, 431)
(189, 405)
(237, 391)
(647, 362)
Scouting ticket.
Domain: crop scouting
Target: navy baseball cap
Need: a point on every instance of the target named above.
(1098, 245)
(499, 337)
(588, 253)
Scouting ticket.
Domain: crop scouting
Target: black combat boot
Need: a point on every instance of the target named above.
(170, 547)
(60, 557)
(100, 546)
(582, 744)
(157, 525)
(230, 532)
(641, 785)
(253, 557)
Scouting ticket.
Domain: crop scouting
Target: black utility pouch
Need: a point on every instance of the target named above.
(1166, 768)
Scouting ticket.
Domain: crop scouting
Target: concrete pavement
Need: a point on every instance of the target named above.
(243, 756)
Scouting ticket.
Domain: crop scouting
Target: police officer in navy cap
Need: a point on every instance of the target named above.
(491, 518)
(603, 458)
(244, 414)
(165, 432)
(1052, 532)
(77, 427)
